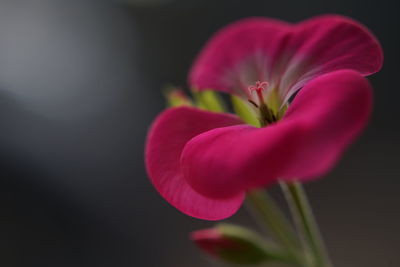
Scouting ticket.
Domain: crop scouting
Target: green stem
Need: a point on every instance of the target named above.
(306, 224)
(270, 215)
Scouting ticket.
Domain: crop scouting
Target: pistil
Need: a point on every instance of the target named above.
(266, 115)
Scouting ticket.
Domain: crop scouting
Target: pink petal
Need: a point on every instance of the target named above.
(170, 132)
(328, 43)
(333, 110)
(287, 56)
(240, 54)
(323, 120)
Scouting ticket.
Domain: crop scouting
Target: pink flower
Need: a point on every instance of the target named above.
(203, 163)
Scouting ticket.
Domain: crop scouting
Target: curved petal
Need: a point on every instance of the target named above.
(333, 110)
(167, 137)
(323, 119)
(287, 56)
(226, 161)
(240, 54)
(328, 43)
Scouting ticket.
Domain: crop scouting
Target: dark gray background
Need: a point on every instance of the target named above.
(79, 85)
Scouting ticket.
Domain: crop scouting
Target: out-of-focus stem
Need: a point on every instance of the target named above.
(306, 224)
(269, 214)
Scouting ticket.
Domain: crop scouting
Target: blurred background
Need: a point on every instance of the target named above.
(79, 86)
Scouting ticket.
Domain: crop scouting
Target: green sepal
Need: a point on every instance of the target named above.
(274, 100)
(274, 103)
(208, 100)
(244, 111)
(248, 248)
(282, 111)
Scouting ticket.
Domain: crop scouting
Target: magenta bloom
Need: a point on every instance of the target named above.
(203, 162)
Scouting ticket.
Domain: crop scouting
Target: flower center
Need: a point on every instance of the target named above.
(266, 115)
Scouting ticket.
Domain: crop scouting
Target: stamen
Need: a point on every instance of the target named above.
(253, 103)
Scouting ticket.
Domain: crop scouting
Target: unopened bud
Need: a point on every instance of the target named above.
(235, 244)
(177, 97)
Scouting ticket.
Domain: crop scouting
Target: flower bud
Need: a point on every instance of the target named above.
(177, 97)
(235, 244)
